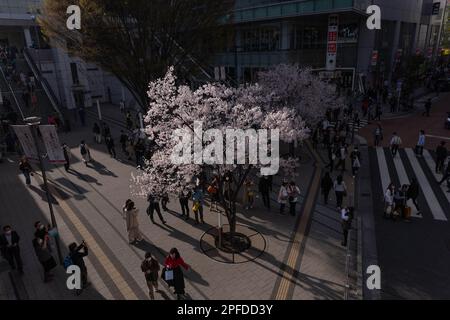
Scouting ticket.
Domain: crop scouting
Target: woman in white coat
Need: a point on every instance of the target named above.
(131, 217)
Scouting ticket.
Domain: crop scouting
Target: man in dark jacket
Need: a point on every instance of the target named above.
(441, 155)
(264, 188)
(446, 173)
(77, 254)
(9, 246)
(413, 193)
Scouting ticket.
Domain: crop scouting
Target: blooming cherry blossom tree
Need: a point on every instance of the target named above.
(219, 107)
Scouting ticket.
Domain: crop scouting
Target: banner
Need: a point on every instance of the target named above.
(51, 141)
(332, 42)
(26, 139)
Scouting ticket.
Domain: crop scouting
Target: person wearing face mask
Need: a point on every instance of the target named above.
(9, 246)
(150, 267)
(44, 256)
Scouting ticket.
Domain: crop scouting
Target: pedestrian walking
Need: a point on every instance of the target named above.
(164, 201)
(326, 185)
(396, 141)
(293, 192)
(197, 207)
(420, 144)
(427, 108)
(77, 254)
(389, 201)
(150, 268)
(67, 156)
(283, 196)
(213, 191)
(378, 135)
(97, 133)
(173, 274)
(26, 169)
(106, 131)
(110, 145)
(355, 157)
(129, 121)
(249, 193)
(10, 248)
(123, 142)
(44, 256)
(264, 189)
(85, 152)
(42, 232)
(346, 223)
(131, 217)
(184, 203)
(413, 193)
(342, 156)
(154, 206)
(441, 155)
(446, 173)
(340, 189)
(399, 201)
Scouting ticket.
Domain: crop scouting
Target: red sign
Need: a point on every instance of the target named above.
(332, 36)
(332, 48)
(374, 57)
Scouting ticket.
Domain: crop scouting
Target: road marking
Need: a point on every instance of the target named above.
(431, 199)
(437, 137)
(403, 177)
(112, 271)
(432, 165)
(383, 169)
(288, 274)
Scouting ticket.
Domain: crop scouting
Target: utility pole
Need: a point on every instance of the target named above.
(34, 122)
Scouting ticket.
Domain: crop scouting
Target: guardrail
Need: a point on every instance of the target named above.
(44, 83)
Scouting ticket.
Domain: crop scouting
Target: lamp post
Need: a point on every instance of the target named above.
(34, 122)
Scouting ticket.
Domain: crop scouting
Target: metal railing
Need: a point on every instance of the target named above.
(44, 83)
(12, 93)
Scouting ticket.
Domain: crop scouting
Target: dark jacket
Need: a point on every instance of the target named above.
(15, 238)
(326, 183)
(441, 152)
(413, 191)
(77, 256)
(264, 185)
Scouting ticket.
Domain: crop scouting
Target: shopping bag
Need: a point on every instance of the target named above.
(168, 275)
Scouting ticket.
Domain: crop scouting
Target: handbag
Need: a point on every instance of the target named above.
(389, 209)
(168, 275)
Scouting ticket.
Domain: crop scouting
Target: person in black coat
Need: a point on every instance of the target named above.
(10, 249)
(77, 254)
(326, 185)
(446, 173)
(264, 187)
(413, 193)
(441, 155)
(110, 145)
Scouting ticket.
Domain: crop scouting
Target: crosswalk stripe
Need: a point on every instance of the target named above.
(431, 199)
(432, 165)
(383, 168)
(403, 177)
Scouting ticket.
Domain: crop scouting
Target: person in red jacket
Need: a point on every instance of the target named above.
(173, 274)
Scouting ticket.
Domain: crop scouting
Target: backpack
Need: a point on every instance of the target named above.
(67, 261)
(83, 149)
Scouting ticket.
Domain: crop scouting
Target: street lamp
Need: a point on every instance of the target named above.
(34, 122)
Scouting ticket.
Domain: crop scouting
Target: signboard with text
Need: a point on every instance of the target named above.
(332, 38)
(52, 145)
(25, 136)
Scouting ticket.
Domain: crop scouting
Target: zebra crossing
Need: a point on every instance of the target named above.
(434, 200)
(362, 123)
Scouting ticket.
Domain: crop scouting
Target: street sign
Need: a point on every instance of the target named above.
(332, 37)
(52, 145)
(25, 136)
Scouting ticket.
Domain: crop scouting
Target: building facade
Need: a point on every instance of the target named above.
(269, 32)
(74, 82)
